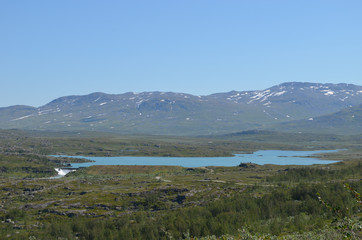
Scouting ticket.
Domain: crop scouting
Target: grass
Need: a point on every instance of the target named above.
(164, 202)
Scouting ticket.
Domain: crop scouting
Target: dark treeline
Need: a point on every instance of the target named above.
(26, 166)
(283, 209)
(317, 174)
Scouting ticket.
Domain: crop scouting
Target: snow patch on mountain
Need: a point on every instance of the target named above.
(279, 93)
(20, 118)
(328, 92)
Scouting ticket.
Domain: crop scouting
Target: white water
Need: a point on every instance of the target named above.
(62, 172)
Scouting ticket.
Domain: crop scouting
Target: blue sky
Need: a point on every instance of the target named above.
(50, 49)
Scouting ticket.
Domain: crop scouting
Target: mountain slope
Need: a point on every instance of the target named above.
(346, 121)
(184, 114)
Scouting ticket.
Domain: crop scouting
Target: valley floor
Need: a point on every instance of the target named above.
(162, 202)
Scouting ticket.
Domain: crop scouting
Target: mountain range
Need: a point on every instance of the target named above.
(292, 106)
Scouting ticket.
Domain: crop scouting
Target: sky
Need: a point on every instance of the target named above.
(50, 49)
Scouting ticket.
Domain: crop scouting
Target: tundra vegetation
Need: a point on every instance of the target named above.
(248, 201)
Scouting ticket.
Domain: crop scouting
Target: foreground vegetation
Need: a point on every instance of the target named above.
(161, 202)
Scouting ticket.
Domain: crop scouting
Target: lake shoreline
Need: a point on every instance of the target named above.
(262, 157)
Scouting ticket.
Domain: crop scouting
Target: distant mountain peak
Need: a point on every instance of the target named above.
(181, 113)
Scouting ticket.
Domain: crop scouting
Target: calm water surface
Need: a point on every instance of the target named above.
(260, 157)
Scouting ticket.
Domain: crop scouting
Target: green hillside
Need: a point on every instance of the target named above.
(348, 121)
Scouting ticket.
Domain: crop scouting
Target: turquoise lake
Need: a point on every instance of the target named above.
(260, 157)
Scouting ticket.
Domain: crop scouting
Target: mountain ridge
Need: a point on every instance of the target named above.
(185, 114)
